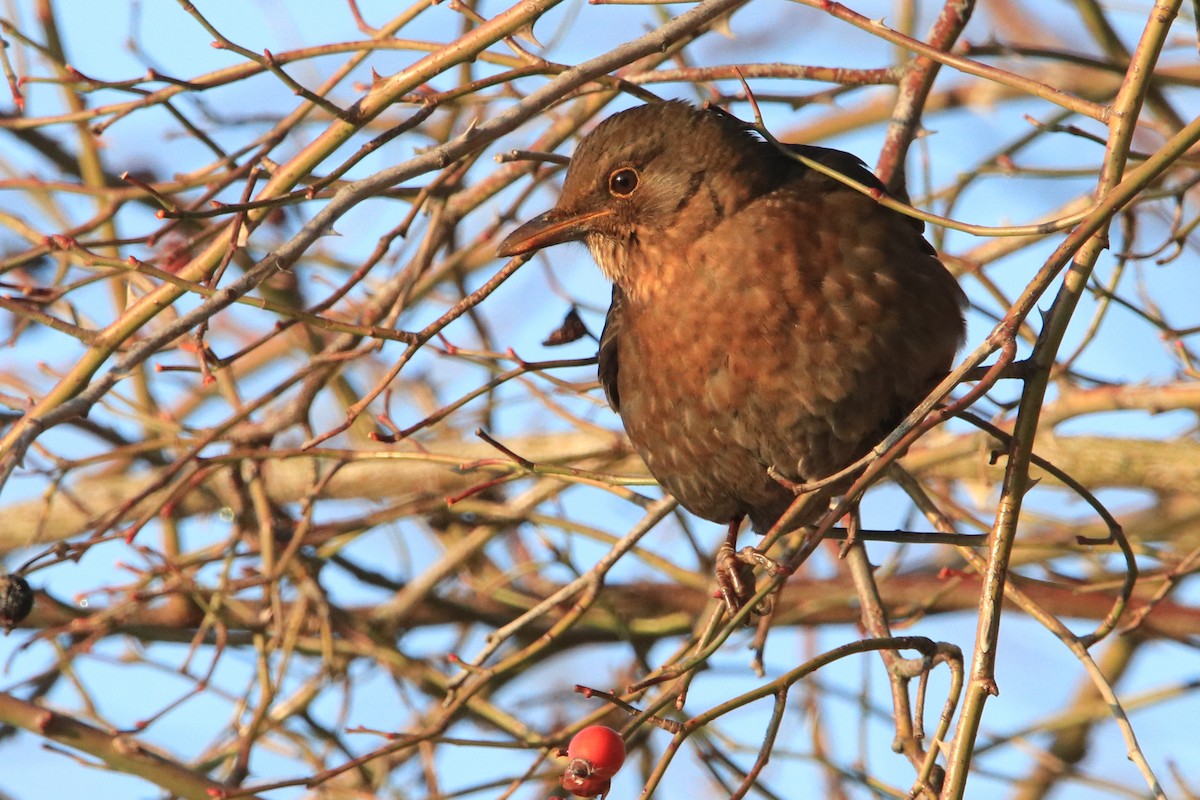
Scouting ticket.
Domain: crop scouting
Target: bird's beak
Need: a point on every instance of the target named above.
(554, 227)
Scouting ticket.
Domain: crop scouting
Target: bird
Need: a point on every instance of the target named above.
(765, 317)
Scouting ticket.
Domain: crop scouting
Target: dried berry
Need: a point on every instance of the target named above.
(16, 600)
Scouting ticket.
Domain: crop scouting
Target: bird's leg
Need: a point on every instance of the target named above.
(735, 572)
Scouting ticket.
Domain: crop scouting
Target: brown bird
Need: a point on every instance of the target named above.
(763, 314)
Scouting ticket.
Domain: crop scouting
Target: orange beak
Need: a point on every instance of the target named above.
(544, 230)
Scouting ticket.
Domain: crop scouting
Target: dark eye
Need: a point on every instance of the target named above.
(623, 182)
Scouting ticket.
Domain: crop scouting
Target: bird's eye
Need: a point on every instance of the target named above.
(623, 182)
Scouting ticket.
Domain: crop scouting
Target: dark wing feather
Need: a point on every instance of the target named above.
(848, 164)
(607, 356)
(856, 169)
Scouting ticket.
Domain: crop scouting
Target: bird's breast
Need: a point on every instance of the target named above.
(794, 334)
(693, 400)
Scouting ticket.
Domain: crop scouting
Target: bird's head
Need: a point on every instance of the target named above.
(649, 176)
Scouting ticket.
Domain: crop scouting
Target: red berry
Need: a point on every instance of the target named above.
(596, 753)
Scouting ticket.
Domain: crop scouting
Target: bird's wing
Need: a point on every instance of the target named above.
(848, 164)
(856, 169)
(608, 350)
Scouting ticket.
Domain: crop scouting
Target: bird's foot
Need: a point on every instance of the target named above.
(735, 578)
